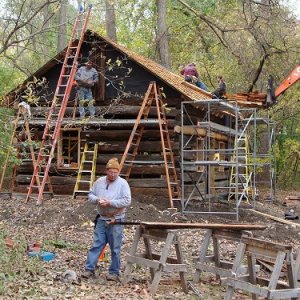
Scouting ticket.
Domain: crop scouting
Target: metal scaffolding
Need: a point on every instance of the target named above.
(220, 157)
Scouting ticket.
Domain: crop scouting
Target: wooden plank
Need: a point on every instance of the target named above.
(262, 244)
(284, 294)
(118, 110)
(246, 286)
(274, 218)
(118, 135)
(137, 259)
(165, 225)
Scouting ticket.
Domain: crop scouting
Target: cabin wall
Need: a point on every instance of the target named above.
(112, 138)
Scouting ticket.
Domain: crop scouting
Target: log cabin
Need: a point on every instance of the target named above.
(124, 77)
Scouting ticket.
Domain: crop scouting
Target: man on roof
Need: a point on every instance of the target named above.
(86, 77)
(191, 75)
(220, 91)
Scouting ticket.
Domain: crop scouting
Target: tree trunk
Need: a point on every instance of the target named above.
(62, 26)
(80, 20)
(162, 34)
(110, 20)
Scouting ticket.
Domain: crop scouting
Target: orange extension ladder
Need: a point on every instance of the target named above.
(153, 94)
(60, 100)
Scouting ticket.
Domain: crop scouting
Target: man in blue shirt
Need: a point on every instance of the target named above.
(86, 77)
(112, 195)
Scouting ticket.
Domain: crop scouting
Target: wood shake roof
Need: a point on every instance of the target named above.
(190, 91)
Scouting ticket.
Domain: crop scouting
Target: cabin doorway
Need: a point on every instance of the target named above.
(68, 148)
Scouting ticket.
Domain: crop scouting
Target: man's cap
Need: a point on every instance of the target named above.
(113, 164)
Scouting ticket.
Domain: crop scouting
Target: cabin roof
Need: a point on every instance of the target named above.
(189, 91)
(176, 81)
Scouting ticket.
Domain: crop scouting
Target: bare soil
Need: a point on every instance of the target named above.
(64, 226)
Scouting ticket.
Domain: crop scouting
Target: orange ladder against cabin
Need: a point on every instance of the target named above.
(60, 99)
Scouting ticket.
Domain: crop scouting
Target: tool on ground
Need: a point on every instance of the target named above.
(58, 108)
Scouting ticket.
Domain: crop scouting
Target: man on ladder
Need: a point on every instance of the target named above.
(86, 77)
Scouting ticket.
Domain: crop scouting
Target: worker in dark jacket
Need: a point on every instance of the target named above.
(191, 75)
(220, 91)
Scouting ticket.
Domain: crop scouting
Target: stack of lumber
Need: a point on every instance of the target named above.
(249, 99)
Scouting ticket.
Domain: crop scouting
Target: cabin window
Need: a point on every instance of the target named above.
(68, 148)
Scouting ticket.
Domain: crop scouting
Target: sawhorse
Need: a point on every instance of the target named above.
(156, 262)
(213, 263)
(270, 288)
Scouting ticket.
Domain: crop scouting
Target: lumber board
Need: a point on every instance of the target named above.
(280, 220)
(165, 226)
(100, 123)
(117, 135)
(120, 110)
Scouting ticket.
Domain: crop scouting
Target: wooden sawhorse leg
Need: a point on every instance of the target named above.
(157, 263)
(268, 287)
(132, 252)
(214, 264)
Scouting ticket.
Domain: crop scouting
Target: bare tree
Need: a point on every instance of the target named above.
(261, 27)
(110, 19)
(15, 24)
(62, 25)
(162, 33)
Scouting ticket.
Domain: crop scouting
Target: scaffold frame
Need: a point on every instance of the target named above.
(198, 173)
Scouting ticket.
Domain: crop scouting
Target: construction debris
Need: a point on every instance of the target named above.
(253, 98)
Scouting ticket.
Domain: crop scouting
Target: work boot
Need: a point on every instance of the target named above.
(88, 274)
(112, 277)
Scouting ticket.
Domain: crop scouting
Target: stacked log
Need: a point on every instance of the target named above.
(249, 99)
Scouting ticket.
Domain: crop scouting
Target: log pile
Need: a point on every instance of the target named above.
(249, 99)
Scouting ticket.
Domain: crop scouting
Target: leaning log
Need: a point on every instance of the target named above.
(192, 130)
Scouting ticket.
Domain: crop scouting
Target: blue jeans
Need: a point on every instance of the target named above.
(106, 233)
(201, 85)
(85, 96)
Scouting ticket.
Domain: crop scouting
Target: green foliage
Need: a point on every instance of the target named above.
(14, 262)
(9, 77)
(6, 127)
(287, 153)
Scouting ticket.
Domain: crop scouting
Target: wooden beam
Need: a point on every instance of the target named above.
(192, 130)
(280, 220)
(163, 225)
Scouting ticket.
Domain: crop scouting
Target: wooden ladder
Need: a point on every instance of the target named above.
(32, 153)
(130, 153)
(10, 146)
(87, 168)
(57, 110)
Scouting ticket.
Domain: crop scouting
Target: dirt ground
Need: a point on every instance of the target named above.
(64, 226)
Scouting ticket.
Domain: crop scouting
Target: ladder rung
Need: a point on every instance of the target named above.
(85, 171)
(82, 191)
(83, 181)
